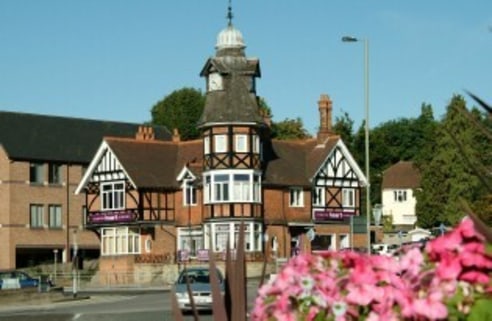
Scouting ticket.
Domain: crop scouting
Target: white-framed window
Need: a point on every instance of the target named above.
(296, 197)
(190, 239)
(348, 197)
(36, 173)
(219, 233)
(241, 143)
(120, 241)
(113, 196)
(54, 216)
(36, 216)
(189, 193)
(319, 196)
(206, 145)
(400, 195)
(232, 186)
(220, 143)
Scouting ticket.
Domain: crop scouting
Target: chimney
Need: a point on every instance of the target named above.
(176, 136)
(145, 133)
(325, 111)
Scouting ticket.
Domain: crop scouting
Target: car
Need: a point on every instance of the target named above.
(17, 280)
(201, 288)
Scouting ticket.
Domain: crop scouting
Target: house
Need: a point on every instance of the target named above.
(42, 160)
(398, 194)
(155, 201)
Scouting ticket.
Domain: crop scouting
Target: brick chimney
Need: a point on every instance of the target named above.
(325, 111)
(145, 133)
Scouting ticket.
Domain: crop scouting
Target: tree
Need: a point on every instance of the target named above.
(289, 129)
(344, 126)
(447, 177)
(181, 109)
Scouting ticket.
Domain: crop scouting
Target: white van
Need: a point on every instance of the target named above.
(384, 249)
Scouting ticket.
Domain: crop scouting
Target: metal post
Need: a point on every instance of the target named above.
(55, 258)
(366, 107)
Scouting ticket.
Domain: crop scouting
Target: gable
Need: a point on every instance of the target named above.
(339, 169)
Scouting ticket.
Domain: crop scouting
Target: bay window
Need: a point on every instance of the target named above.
(232, 186)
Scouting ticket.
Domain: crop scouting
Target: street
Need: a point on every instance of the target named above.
(107, 307)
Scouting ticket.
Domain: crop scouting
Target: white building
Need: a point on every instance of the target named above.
(398, 194)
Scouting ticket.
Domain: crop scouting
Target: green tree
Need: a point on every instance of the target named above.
(289, 129)
(447, 177)
(344, 126)
(181, 109)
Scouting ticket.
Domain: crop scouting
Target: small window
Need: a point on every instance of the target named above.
(220, 143)
(206, 145)
(36, 173)
(189, 193)
(319, 196)
(54, 174)
(296, 197)
(400, 196)
(36, 219)
(348, 197)
(113, 196)
(241, 143)
(256, 144)
(55, 216)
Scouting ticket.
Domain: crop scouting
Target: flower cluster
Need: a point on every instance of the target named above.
(449, 279)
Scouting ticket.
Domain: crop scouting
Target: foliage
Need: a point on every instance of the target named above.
(181, 109)
(450, 280)
(289, 129)
(447, 174)
(344, 127)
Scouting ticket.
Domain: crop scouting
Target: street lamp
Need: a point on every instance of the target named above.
(366, 99)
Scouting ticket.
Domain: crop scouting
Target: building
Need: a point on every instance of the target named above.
(42, 160)
(398, 194)
(154, 201)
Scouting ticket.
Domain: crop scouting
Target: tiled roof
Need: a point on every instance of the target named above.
(401, 175)
(62, 139)
(153, 164)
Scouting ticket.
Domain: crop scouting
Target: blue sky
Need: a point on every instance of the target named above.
(114, 59)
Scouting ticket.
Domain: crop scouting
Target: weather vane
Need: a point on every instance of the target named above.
(229, 13)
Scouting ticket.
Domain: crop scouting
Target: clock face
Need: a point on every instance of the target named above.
(214, 81)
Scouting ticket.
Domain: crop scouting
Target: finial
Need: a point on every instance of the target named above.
(229, 14)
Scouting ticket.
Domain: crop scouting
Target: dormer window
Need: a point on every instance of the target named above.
(189, 193)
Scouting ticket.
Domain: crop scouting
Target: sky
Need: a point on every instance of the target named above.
(115, 59)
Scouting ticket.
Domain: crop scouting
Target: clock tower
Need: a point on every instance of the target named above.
(232, 130)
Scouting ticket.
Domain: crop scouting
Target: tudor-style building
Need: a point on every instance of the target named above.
(148, 198)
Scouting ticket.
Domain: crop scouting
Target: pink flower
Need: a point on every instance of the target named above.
(448, 268)
(431, 307)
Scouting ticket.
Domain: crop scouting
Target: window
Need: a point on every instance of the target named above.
(36, 173)
(189, 193)
(84, 215)
(36, 216)
(348, 197)
(221, 187)
(54, 173)
(206, 145)
(120, 241)
(220, 143)
(113, 196)
(55, 216)
(319, 196)
(241, 143)
(296, 197)
(190, 240)
(228, 233)
(400, 196)
(256, 144)
(239, 186)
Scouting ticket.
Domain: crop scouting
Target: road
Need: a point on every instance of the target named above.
(107, 307)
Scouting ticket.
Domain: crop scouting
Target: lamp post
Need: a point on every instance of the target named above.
(366, 103)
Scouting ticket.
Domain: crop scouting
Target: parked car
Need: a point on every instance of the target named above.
(199, 280)
(17, 280)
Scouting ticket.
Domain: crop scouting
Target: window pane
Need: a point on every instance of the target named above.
(220, 143)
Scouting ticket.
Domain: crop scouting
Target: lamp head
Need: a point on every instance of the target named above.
(349, 39)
